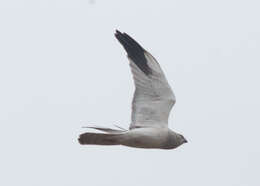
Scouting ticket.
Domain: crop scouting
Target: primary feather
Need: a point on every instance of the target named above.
(153, 97)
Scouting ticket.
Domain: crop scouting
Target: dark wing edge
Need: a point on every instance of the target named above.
(134, 51)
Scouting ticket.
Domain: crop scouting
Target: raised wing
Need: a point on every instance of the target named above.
(153, 97)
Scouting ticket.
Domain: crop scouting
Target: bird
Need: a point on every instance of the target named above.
(151, 105)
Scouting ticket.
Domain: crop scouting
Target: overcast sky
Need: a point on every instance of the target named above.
(61, 68)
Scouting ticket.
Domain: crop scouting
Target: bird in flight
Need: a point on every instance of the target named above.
(152, 102)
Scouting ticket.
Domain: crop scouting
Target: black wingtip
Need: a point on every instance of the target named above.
(134, 51)
(118, 34)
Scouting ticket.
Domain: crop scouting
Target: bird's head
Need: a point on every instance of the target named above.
(175, 140)
(181, 139)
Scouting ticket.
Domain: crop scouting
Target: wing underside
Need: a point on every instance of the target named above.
(153, 97)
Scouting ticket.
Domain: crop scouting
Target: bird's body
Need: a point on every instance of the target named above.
(149, 138)
(151, 105)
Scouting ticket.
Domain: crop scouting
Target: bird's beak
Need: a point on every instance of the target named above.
(185, 141)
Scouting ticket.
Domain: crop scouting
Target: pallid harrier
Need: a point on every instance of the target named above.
(151, 105)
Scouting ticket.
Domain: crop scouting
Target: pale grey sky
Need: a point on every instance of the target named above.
(61, 68)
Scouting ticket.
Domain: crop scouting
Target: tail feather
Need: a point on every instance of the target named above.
(99, 139)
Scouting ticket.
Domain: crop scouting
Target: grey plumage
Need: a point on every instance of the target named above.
(151, 105)
(98, 139)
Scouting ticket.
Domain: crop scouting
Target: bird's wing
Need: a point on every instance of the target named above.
(107, 130)
(153, 97)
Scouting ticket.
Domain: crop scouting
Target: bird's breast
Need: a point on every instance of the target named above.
(145, 138)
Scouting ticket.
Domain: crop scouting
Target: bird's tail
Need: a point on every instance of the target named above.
(99, 139)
